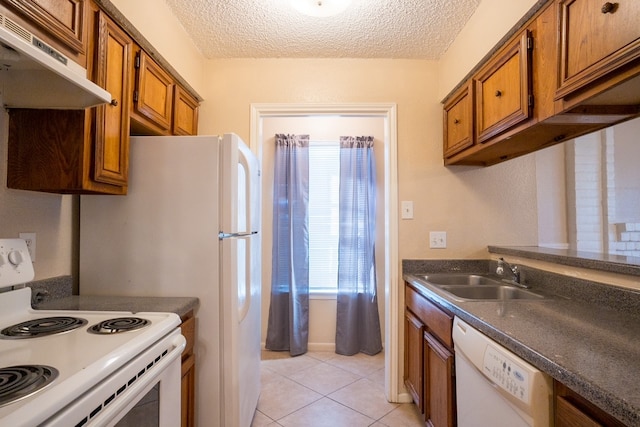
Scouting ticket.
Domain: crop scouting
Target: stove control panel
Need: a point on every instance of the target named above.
(507, 374)
(15, 263)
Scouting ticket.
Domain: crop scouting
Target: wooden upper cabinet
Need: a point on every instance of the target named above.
(78, 151)
(63, 19)
(185, 112)
(153, 96)
(596, 38)
(458, 121)
(112, 72)
(503, 89)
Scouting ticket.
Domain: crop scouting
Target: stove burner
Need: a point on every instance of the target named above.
(18, 382)
(42, 327)
(119, 324)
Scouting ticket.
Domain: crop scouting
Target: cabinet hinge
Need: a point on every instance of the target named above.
(135, 96)
(137, 61)
(529, 43)
(530, 101)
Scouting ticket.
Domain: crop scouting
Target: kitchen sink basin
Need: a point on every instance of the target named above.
(489, 292)
(477, 287)
(456, 279)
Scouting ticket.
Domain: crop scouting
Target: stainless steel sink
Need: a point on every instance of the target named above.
(445, 279)
(490, 292)
(475, 287)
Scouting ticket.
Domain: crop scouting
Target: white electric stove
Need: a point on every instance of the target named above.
(90, 373)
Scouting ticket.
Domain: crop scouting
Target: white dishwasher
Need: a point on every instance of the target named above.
(496, 388)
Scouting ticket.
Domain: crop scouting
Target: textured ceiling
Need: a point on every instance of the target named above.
(416, 29)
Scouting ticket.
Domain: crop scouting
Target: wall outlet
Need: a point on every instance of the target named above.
(438, 239)
(30, 239)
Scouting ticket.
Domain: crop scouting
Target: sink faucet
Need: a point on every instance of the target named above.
(515, 271)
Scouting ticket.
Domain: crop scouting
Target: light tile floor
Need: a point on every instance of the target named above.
(328, 389)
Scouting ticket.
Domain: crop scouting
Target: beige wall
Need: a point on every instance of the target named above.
(156, 23)
(491, 21)
(476, 206)
(443, 197)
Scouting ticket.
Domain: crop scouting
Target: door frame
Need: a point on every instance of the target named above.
(394, 387)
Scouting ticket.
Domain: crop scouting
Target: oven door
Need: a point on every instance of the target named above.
(144, 392)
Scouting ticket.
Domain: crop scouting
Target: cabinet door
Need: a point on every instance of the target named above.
(439, 384)
(413, 358)
(111, 158)
(63, 19)
(458, 121)
(573, 410)
(503, 90)
(188, 391)
(153, 97)
(185, 113)
(595, 39)
(568, 415)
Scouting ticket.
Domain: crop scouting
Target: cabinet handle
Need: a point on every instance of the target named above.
(114, 102)
(498, 93)
(609, 7)
(456, 121)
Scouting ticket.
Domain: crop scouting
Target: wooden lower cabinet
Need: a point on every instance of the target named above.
(573, 410)
(439, 383)
(188, 395)
(414, 331)
(429, 371)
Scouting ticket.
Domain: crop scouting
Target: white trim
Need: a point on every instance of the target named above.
(394, 388)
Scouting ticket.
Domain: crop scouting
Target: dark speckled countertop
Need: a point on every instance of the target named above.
(584, 334)
(179, 305)
(56, 294)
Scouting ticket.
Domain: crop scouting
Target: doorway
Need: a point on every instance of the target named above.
(387, 114)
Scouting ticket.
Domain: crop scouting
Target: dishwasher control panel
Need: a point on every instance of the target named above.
(507, 374)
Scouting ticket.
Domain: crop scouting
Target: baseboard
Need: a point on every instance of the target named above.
(314, 346)
(320, 346)
(404, 398)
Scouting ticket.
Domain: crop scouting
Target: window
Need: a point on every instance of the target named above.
(324, 186)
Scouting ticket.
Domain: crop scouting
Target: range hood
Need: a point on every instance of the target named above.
(35, 75)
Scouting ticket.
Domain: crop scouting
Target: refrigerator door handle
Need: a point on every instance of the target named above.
(223, 235)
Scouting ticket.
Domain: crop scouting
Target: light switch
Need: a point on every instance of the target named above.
(407, 210)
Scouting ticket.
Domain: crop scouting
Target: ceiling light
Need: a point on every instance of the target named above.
(320, 8)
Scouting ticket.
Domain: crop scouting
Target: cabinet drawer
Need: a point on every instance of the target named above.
(437, 321)
(595, 39)
(188, 331)
(503, 90)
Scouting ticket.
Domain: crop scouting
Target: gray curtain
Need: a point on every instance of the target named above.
(358, 321)
(288, 327)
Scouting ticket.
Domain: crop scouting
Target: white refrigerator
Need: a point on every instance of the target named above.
(189, 226)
